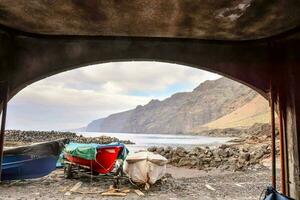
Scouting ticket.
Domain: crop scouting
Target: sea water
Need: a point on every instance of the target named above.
(143, 141)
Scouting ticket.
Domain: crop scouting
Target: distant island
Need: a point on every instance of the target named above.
(214, 104)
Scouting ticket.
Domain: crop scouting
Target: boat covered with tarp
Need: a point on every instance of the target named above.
(31, 161)
(100, 158)
(145, 167)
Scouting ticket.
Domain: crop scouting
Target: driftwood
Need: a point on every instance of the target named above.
(139, 192)
(116, 192)
(113, 193)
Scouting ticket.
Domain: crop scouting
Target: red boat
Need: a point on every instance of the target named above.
(93, 158)
(104, 162)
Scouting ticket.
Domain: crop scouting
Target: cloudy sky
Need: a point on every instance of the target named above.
(74, 98)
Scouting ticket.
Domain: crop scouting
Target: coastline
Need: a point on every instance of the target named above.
(220, 175)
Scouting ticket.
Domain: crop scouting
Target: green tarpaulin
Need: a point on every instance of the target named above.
(86, 151)
(89, 151)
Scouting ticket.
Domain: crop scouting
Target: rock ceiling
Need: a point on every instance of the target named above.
(203, 19)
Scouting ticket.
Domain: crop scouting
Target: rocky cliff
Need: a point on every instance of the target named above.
(185, 112)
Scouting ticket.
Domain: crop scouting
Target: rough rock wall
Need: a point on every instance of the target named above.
(181, 112)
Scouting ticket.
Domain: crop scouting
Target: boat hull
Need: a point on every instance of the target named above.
(104, 162)
(25, 167)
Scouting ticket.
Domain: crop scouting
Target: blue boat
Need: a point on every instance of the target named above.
(25, 167)
(31, 161)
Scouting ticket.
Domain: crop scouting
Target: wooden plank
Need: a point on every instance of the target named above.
(139, 192)
(76, 187)
(117, 194)
(89, 192)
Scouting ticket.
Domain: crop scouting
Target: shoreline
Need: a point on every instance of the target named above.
(234, 155)
(227, 172)
(249, 151)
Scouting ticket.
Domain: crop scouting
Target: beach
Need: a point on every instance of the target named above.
(218, 177)
(181, 184)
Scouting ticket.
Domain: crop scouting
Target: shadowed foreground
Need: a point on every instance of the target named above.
(223, 186)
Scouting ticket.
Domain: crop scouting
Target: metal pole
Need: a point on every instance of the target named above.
(281, 147)
(3, 121)
(273, 138)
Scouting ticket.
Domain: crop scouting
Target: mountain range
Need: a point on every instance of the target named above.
(214, 104)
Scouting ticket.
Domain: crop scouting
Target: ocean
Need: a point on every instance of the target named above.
(143, 141)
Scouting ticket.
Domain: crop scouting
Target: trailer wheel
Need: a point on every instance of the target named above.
(119, 172)
(68, 171)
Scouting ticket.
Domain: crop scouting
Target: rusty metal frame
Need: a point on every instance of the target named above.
(273, 137)
(282, 146)
(286, 159)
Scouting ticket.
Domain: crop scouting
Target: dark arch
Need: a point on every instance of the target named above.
(38, 58)
(17, 90)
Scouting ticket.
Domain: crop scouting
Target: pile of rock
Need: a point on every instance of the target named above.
(41, 136)
(225, 157)
(257, 129)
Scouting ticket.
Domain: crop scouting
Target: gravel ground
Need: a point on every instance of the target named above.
(181, 184)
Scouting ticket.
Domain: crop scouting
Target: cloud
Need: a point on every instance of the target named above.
(74, 98)
(125, 77)
(50, 107)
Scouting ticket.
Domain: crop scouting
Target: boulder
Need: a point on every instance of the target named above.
(152, 149)
(168, 149)
(244, 157)
(175, 159)
(191, 162)
(223, 146)
(160, 150)
(218, 159)
(259, 154)
(222, 152)
(180, 151)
